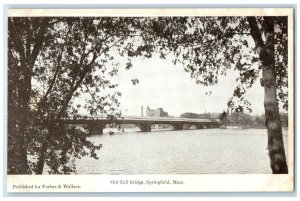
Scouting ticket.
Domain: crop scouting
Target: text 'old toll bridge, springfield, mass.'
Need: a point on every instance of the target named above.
(95, 125)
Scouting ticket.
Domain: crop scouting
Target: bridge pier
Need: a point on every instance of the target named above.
(199, 126)
(177, 126)
(95, 128)
(214, 126)
(144, 127)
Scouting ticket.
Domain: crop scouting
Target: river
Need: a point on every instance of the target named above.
(204, 151)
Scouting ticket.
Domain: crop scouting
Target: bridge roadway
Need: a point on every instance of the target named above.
(96, 125)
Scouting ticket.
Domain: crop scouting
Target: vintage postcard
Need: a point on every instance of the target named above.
(150, 100)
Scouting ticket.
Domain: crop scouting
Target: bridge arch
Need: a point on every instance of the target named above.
(144, 126)
(96, 126)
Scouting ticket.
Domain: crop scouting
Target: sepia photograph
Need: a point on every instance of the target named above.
(134, 93)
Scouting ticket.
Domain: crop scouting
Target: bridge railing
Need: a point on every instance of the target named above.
(154, 119)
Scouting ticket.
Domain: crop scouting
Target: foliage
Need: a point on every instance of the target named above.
(190, 115)
(223, 118)
(199, 116)
(249, 121)
(209, 47)
(68, 63)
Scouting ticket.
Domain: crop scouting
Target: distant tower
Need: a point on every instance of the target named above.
(142, 112)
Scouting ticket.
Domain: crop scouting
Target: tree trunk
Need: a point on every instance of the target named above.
(273, 124)
(41, 159)
(27, 42)
(43, 152)
(18, 124)
(17, 154)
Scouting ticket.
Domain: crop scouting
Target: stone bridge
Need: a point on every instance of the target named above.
(96, 125)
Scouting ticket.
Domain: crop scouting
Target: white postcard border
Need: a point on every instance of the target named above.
(188, 183)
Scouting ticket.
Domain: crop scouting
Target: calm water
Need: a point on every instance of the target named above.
(206, 151)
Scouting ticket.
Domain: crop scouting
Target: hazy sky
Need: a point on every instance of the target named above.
(164, 85)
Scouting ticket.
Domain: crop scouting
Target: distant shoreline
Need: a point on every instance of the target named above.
(246, 127)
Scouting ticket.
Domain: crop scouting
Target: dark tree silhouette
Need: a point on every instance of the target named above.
(52, 63)
(208, 47)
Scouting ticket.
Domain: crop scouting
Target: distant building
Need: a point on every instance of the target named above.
(159, 112)
(142, 111)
